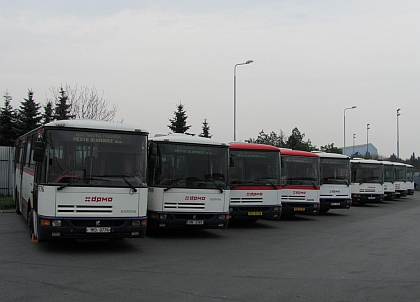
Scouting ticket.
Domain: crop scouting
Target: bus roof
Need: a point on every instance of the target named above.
(94, 124)
(251, 146)
(188, 139)
(366, 161)
(284, 151)
(331, 155)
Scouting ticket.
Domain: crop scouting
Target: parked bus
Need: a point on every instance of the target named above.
(367, 180)
(82, 179)
(400, 179)
(410, 179)
(335, 191)
(389, 180)
(188, 182)
(300, 182)
(254, 180)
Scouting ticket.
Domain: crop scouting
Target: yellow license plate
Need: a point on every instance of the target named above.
(299, 209)
(254, 213)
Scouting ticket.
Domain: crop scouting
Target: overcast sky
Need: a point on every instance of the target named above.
(312, 59)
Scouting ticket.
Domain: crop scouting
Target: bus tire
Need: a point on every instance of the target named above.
(17, 209)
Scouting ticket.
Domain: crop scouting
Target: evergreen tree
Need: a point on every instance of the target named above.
(62, 109)
(28, 116)
(179, 122)
(330, 148)
(205, 130)
(48, 113)
(8, 133)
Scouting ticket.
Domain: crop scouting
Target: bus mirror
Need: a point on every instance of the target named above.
(152, 148)
(39, 151)
(232, 161)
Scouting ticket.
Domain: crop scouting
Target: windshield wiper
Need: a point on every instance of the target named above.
(213, 181)
(124, 178)
(78, 180)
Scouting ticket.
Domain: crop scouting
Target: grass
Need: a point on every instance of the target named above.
(6, 202)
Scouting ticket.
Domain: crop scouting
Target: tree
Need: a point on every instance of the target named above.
(179, 122)
(85, 103)
(8, 133)
(331, 149)
(62, 108)
(269, 139)
(295, 141)
(47, 116)
(28, 115)
(205, 130)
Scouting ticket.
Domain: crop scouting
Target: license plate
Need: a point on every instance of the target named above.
(370, 197)
(299, 209)
(335, 203)
(254, 213)
(98, 230)
(195, 222)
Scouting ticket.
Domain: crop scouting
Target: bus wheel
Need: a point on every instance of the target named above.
(17, 203)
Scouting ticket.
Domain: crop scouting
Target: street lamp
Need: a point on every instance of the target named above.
(344, 148)
(234, 96)
(398, 134)
(367, 139)
(354, 136)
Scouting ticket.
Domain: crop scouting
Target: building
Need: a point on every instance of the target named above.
(361, 150)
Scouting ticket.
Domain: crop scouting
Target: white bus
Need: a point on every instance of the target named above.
(254, 180)
(188, 182)
(389, 180)
(400, 179)
(410, 179)
(335, 191)
(82, 179)
(300, 182)
(367, 180)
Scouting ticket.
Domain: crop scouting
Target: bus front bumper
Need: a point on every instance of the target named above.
(255, 212)
(188, 220)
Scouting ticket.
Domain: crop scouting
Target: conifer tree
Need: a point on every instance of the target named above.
(47, 116)
(62, 108)
(8, 133)
(179, 122)
(205, 130)
(28, 115)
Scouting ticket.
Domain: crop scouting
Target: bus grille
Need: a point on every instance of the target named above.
(367, 190)
(83, 209)
(291, 197)
(183, 205)
(245, 199)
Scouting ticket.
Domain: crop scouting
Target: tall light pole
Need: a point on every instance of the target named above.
(344, 148)
(367, 139)
(354, 136)
(234, 96)
(398, 134)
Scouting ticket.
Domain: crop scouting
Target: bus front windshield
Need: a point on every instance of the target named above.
(255, 168)
(400, 173)
(366, 173)
(299, 170)
(335, 171)
(189, 166)
(389, 173)
(93, 158)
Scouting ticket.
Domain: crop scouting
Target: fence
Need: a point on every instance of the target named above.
(6, 170)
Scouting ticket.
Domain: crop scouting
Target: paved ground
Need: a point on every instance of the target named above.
(363, 254)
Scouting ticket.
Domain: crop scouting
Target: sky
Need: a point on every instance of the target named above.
(311, 61)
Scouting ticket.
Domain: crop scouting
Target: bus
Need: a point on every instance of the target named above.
(188, 182)
(410, 179)
(300, 182)
(82, 179)
(335, 191)
(367, 180)
(389, 180)
(400, 179)
(254, 180)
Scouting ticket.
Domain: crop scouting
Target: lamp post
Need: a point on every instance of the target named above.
(234, 96)
(398, 134)
(367, 139)
(344, 148)
(354, 136)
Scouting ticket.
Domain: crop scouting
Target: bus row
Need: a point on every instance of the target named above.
(96, 179)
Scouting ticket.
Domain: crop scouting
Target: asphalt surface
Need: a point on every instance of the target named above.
(368, 253)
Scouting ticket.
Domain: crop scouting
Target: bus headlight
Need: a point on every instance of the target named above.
(56, 223)
(135, 222)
